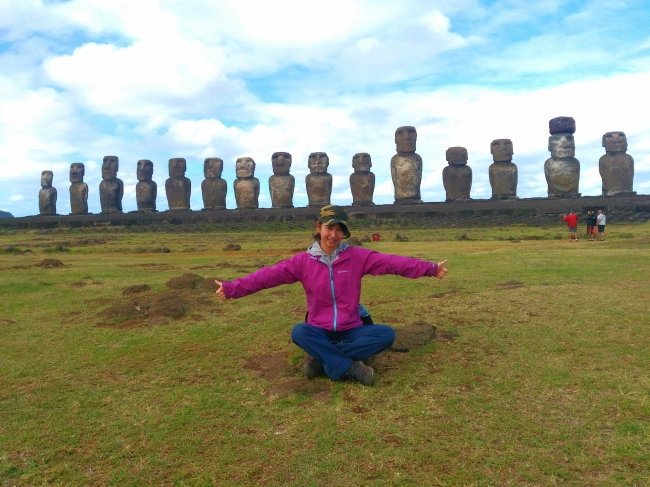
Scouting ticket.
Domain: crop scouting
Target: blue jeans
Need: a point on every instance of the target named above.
(337, 350)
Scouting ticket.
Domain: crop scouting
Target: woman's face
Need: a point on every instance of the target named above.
(330, 237)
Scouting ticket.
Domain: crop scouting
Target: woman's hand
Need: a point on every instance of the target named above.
(442, 270)
(222, 295)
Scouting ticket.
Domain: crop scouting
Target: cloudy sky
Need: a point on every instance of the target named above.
(145, 79)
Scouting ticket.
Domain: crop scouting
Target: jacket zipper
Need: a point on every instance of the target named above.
(333, 295)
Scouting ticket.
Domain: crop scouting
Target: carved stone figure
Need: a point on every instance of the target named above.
(281, 184)
(178, 188)
(616, 166)
(47, 194)
(78, 189)
(503, 173)
(362, 181)
(247, 187)
(457, 176)
(562, 170)
(319, 182)
(406, 167)
(111, 189)
(146, 191)
(213, 188)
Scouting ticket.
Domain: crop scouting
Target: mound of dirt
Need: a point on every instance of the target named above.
(78, 284)
(209, 284)
(270, 367)
(124, 310)
(299, 386)
(186, 281)
(136, 289)
(169, 306)
(413, 336)
(232, 247)
(50, 263)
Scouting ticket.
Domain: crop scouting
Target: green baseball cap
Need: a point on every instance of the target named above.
(332, 215)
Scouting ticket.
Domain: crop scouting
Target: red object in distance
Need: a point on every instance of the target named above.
(375, 237)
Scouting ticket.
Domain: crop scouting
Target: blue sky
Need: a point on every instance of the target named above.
(159, 79)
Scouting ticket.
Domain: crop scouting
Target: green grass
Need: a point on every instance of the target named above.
(547, 383)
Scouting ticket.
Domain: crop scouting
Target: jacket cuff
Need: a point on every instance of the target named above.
(435, 268)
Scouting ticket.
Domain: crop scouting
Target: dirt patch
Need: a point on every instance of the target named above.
(443, 294)
(413, 336)
(149, 310)
(49, 263)
(280, 292)
(151, 265)
(78, 284)
(510, 285)
(8, 322)
(186, 281)
(136, 289)
(271, 367)
(446, 334)
(232, 247)
(199, 267)
(300, 386)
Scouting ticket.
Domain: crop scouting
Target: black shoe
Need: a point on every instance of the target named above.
(312, 368)
(361, 373)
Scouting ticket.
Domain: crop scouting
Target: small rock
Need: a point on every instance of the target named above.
(354, 241)
(232, 247)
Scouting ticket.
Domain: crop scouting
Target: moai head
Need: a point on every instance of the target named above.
(562, 145)
(77, 171)
(177, 167)
(212, 167)
(457, 155)
(245, 167)
(281, 162)
(361, 162)
(318, 162)
(615, 142)
(405, 139)
(110, 166)
(144, 170)
(46, 179)
(501, 150)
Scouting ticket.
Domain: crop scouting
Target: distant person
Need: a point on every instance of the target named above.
(601, 219)
(572, 222)
(330, 271)
(591, 225)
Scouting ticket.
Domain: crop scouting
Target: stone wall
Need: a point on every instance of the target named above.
(527, 211)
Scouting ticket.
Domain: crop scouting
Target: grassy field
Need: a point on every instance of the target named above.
(546, 384)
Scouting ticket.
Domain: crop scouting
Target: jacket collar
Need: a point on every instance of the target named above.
(316, 252)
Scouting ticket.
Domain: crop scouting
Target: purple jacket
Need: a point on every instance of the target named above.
(333, 293)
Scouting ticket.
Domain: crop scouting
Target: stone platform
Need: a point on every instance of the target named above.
(526, 211)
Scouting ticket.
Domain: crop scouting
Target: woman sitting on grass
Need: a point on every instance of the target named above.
(330, 271)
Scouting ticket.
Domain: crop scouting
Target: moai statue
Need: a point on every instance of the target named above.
(281, 184)
(562, 170)
(319, 182)
(406, 167)
(503, 173)
(457, 176)
(213, 187)
(111, 189)
(146, 191)
(178, 187)
(247, 186)
(616, 166)
(362, 181)
(78, 189)
(47, 194)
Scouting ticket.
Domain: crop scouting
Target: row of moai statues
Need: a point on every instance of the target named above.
(562, 171)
